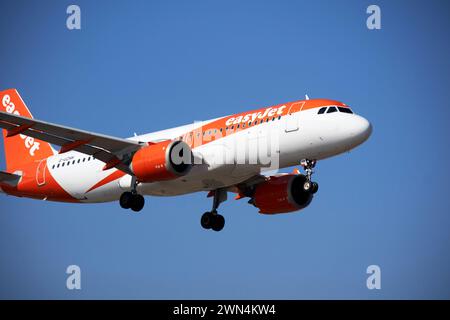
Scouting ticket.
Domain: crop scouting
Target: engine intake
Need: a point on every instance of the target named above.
(282, 194)
(161, 161)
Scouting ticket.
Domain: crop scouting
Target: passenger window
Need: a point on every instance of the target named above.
(63, 164)
(332, 109)
(53, 166)
(78, 161)
(57, 165)
(322, 110)
(345, 110)
(279, 117)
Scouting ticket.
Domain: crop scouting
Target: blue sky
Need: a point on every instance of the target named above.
(142, 66)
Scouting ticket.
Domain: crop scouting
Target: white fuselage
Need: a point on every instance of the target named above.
(226, 161)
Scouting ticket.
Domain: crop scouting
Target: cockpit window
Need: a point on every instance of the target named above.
(345, 110)
(331, 109)
(322, 110)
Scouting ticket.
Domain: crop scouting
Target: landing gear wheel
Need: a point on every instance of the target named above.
(126, 199)
(211, 219)
(133, 201)
(206, 220)
(307, 185)
(314, 187)
(218, 222)
(138, 203)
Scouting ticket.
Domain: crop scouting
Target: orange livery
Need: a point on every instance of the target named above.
(234, 154)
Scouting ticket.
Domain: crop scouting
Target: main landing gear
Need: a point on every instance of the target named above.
(132, 200)
(308, 166)
(213, 220)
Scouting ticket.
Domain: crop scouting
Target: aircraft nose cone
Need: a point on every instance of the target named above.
(361, 129)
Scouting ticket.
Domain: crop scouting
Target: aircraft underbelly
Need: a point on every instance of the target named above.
(193, 183)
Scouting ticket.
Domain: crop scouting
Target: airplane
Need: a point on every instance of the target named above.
(217, 156)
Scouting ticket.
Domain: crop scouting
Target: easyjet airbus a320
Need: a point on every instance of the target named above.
(227, 154)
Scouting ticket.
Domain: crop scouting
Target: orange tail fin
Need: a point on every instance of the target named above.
(20, 149)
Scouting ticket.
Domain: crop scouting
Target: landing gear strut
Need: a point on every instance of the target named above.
(213, 220)
(308, 166)
(132, 200)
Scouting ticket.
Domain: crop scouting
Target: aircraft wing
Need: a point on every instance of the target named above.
(111, 150)
(9, 178)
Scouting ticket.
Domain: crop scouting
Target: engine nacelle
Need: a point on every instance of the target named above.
(282, 194)
(161, 161)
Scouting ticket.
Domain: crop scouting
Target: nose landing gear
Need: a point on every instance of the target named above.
(213, 220)
(308, 166)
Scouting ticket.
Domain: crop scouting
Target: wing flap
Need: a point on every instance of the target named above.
(102, 147)
(109, 143)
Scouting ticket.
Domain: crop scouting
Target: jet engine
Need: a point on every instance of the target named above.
(161, 161)
(282, 194)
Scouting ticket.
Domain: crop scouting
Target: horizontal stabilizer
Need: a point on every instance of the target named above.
(9, 178)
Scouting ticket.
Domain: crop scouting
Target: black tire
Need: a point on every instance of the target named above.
(218, 222)
(126, 199)
(314, 187)
(206, 220)
(137, 203)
